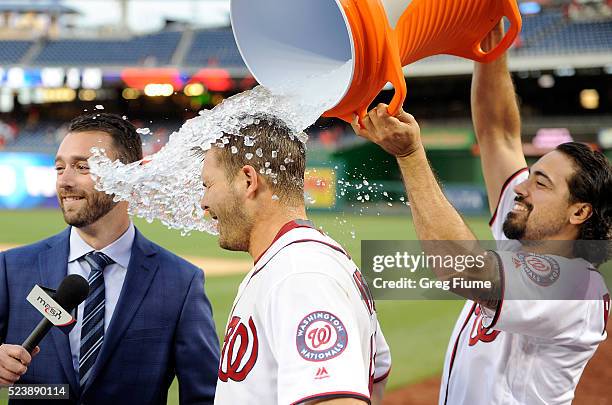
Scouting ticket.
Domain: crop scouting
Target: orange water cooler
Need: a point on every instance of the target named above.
(291, 40)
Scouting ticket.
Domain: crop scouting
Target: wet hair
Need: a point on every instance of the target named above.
(127, 142)
(277, 153)
(591, 183)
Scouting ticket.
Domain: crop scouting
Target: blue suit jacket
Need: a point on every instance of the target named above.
(162, 327)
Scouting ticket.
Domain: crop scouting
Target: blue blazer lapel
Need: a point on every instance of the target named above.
(140, 274)
(53, 265)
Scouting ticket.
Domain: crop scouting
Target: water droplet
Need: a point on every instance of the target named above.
(167, 185)
(99, 107)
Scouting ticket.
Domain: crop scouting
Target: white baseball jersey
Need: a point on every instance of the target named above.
(527, 351)
(303, 327)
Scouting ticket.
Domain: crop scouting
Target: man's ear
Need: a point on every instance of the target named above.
(581, 212)
(251, 181)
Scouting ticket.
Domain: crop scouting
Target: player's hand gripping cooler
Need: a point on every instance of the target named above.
(293, 41)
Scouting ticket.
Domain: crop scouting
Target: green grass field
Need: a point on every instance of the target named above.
(417, 331)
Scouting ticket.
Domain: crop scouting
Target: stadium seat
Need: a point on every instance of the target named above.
(151, 50)
(11, 52)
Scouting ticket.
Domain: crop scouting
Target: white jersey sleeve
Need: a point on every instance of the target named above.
(382, 360)
(550, 297)
(316, 340)
(506, 201)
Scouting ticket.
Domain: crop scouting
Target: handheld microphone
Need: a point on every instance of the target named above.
(73, 290)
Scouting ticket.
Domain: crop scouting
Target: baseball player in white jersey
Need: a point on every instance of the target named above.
(526, 351)
(306, 326)
(303, 326)
(527, 339)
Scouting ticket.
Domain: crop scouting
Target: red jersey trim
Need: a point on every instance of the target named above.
(503, 190)
(333, 394)
(382, 377)
(294, 224)
(502, 279)
(452, 359)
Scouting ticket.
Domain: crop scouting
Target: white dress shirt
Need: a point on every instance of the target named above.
(114, 276)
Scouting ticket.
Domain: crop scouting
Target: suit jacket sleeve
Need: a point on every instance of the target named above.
(4, 299)
(196, 347)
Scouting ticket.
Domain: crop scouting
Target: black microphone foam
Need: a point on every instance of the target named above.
(72, 291)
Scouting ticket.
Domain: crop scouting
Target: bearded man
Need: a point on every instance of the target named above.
(146, 319)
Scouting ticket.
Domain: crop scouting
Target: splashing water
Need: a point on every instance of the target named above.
(167, 185)
(143, 131)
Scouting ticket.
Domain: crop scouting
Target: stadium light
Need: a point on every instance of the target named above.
(158, 90)
(546, 81)
(61, 95)
(52, 77)
(87, 95)
(215, 79)
(15, 78)
(92, 78)
(589, 99)
(194, 89)
(130, 94)
(24, 96)
(7, 101)
(139, 78)
(73, 78)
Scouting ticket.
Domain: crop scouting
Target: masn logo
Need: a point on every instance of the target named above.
(54, 312)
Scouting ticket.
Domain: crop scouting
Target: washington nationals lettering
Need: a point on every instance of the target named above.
(320, 336)
(237, 339)
(479, 333)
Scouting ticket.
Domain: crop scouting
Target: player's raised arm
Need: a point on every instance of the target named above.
(438, 225)
(496, 119)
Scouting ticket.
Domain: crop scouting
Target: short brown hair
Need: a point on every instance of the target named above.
(126, 140)
(273, 149)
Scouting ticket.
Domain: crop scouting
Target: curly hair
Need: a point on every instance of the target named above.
(591, 183)
(126, 140)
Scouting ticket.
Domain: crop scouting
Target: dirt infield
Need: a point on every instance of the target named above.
(595, 387)
(212, 266)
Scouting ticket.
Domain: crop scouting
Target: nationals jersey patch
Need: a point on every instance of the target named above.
(542, 270)
(320, 336)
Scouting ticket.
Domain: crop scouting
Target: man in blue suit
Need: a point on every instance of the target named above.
(146, 319)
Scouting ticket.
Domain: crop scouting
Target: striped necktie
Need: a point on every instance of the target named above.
(92, 330)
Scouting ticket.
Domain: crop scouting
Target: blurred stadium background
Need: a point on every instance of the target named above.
(54, 67)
